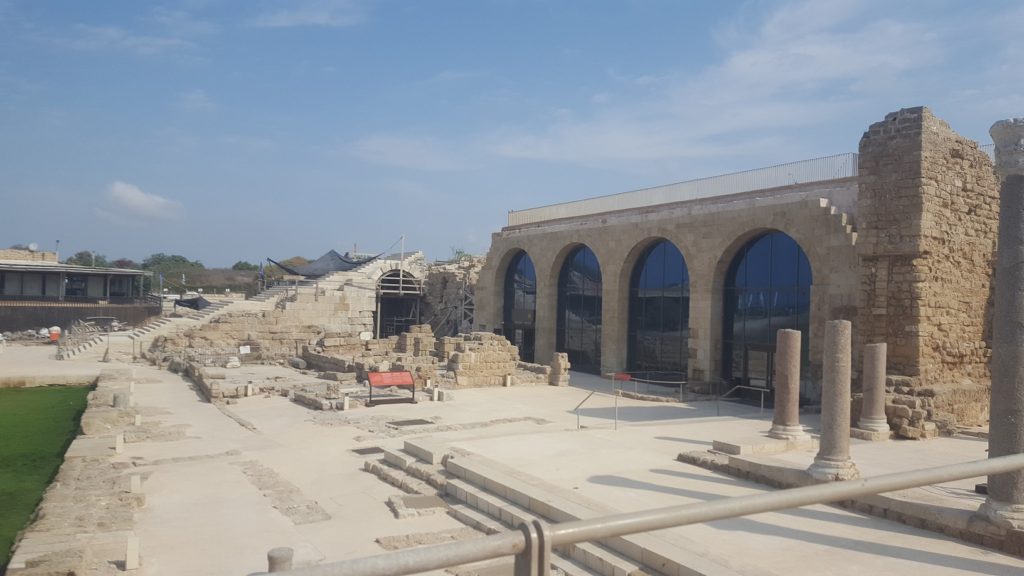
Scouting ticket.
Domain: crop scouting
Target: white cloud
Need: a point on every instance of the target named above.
(415, 152)
(128, 201)
(181, 23)
(797, 66)
(329, 13)
(195, 100)
(89, 38)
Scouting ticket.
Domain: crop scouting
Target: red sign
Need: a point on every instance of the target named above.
(382, 379)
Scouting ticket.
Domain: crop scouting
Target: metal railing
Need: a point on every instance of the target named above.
(532, 544)
(720, 397)
(816, 170)
(78, 301)
(584, 401)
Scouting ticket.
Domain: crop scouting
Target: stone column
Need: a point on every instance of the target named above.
(833, 460)
(1005, 503)
(786, 418)
(280, 559)
(872, 412)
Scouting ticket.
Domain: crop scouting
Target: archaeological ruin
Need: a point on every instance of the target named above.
(693, 280)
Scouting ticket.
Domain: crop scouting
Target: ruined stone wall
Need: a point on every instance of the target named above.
(306, 318)
(443, 292)
(927, 219)
(958, 235)
(889, 209)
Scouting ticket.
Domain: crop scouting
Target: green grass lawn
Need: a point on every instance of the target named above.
(36, 427)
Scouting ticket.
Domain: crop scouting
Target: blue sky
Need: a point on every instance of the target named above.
(227, 130)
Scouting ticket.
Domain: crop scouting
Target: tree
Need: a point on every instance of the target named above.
(244, 266)
(126, 263)
(161, 262)
(88, 258)
(19, 247)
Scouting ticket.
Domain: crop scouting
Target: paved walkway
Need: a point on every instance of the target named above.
(266, 472)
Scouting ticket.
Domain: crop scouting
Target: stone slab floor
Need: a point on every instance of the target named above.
(266, 472)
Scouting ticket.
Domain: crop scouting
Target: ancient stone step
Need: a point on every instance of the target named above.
(527, 496)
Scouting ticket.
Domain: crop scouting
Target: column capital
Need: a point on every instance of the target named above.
(1008, 136)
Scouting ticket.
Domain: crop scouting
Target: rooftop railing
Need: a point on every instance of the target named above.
(817, 170)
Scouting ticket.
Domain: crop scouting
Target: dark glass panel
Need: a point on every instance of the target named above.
(520, 305)
(579, 310)
(767, 288)
(659, 311)
(758, 263)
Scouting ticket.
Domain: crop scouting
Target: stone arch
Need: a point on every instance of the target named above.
(665, 346)
(518, 282)
(579, 313)
(398, 302)
(781, 299)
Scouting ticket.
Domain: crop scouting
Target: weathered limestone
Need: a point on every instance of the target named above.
(559, 375)
(786, 419)
(927, 216)
(121, 400)
(833, 460)
(280, 559)
(1005, 503)
(872, 414)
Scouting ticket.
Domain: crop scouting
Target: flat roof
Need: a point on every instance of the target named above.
(836, 167)
(57, 267)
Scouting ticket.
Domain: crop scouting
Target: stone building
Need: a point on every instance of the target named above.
(692, 280)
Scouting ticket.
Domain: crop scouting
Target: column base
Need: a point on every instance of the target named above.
(1003, 515)
(873, 424)
(788, 432)
(831, 470)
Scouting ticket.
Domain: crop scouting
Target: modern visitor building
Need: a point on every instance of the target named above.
(694, 279)
(38, 291)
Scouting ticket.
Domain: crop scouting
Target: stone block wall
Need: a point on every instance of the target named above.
(333, 317)
(27, 255)
(928, 210)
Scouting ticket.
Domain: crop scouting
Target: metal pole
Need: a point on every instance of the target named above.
(415, 560)
(378, 314)
(661, 518)
(423, 559)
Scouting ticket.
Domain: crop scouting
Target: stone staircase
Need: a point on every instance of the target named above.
(491, 497)
(154, 328)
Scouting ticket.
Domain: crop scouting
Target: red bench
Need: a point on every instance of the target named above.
(398, 379)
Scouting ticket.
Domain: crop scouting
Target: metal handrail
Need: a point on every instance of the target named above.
(536, 540)
(718, 411)
(592, 392)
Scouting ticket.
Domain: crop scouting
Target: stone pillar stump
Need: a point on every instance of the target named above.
(872, 412)
(786, 417)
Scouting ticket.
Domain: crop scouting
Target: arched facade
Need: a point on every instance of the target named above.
(520, 305)
(659, 311)
(580, 289)
(398, 303)
(709, 236)
(767, 288)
